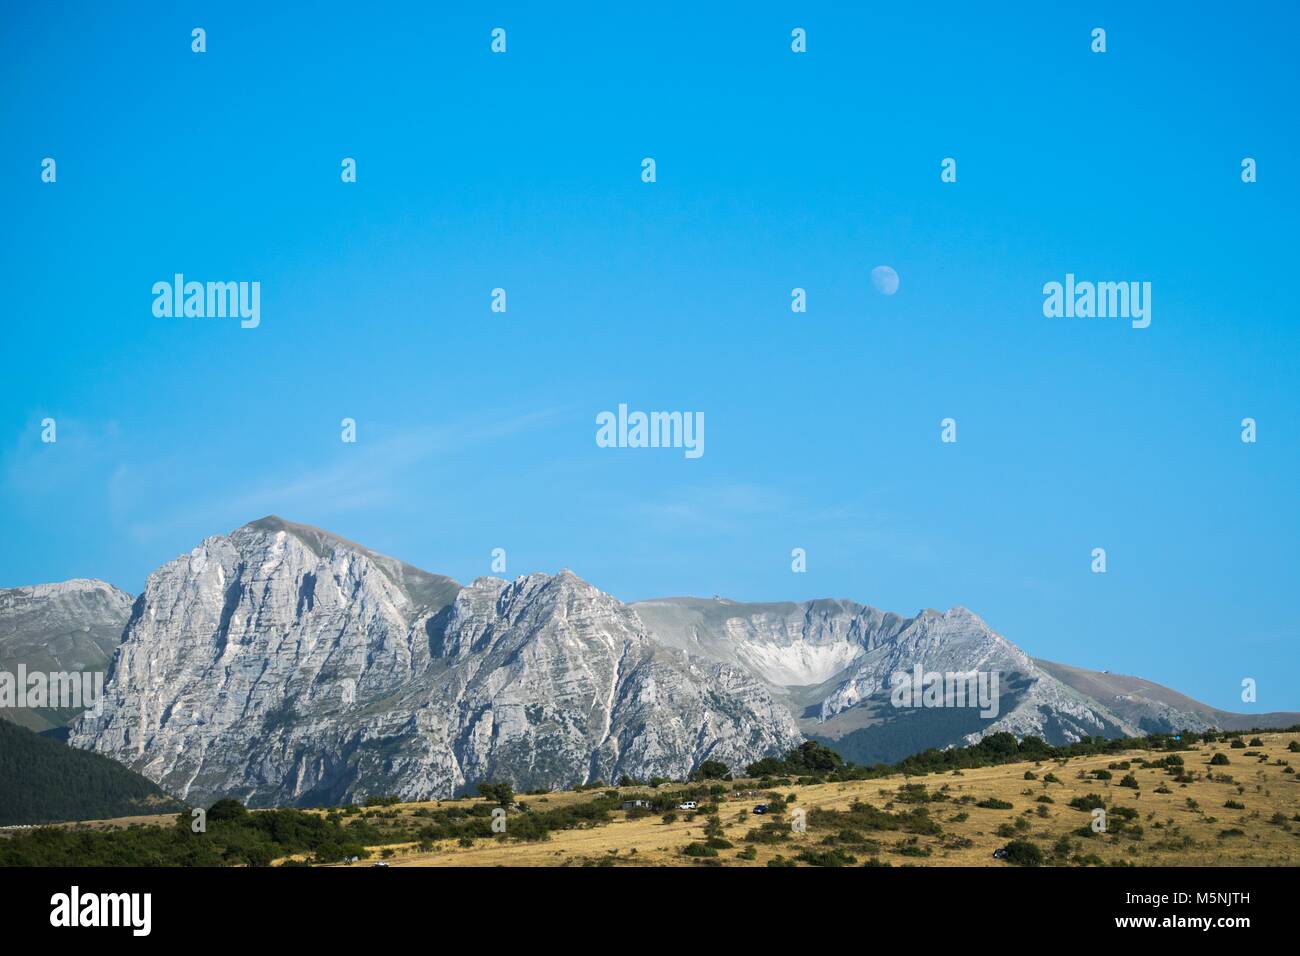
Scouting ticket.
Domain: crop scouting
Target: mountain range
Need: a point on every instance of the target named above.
(283, 665)
(74, 626)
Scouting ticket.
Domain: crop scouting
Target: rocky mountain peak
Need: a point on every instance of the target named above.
(283, 664)
(79, 603)
(73, 586)
(423, 590)
(70, 626)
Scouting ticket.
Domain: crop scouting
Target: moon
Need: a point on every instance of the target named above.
(884, 279)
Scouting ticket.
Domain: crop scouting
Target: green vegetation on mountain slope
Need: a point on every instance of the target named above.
(42, 781)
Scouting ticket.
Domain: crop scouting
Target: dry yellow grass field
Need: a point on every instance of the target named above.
(1187, 826)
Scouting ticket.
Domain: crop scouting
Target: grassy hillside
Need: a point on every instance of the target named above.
(1167, 802)
(1190, 814)
(43, 781)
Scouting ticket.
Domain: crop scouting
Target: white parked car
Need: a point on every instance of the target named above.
(688, 805)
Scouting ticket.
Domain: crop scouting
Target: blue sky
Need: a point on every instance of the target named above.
(775, 170)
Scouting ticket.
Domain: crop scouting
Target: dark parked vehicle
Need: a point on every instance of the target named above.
(761, 808)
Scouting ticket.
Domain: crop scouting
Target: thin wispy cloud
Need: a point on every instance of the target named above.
(374, 472)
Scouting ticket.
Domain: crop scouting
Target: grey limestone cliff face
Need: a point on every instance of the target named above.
(69, 627)
(833, 663)
(787, 644)
(281, 665)
(959, 642)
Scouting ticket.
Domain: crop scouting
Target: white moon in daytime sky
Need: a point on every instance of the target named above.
(884, 279)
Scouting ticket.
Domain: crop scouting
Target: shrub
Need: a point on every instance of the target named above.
(1219, 760)
(699, 849)
(912, 848)
(993, 803)
(1129, 781)
(502, 793)
(227, 810)
(913, 793)
(1024, 853)
(831, 857)
(712, 770)
(1089, 803)
(768, 833)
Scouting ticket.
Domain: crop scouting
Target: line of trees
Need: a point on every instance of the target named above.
(812, 759)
